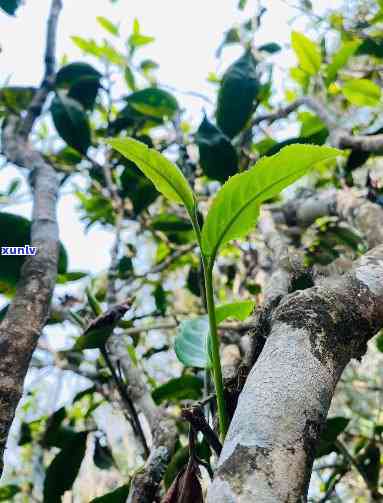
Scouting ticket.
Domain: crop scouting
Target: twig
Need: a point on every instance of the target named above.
(195, 417)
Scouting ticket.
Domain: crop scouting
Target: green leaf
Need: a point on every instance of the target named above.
(238, 91)
(239, 310)
(166, 176)
(119, 495)
(191, 344)
(85, 91)
(10, 6)
(235, 208)
(169, 222)
(371, 47)
(334, 427)
(93, 302)
(70, 276)
(71, 122)
(63, 470)
(160, 298)
(153, 102)
(186, 387)
(308, 53)
(218, 157)
(340, 59)
(7, 492)
(271, 47)
(362, 92)
(16, 98)
(102, 456)
(137, 39)
(138, 188)
(70, 74)
(108, 25)
(16, 231)
(369, 462)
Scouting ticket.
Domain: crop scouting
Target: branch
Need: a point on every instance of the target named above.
(339, 137)
(29, 309)
(269, 449)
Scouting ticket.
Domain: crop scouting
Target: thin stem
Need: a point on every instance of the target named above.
(126, 400)
(216, 361)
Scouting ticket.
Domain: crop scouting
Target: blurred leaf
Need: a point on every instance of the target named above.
(334, 427)
(70, 276)
(239, 310)
(362, 92)
(15, 232)
(238, 91)
(186, 488)
(137, 39)
(369, 462)
(153, 102)
(10, 6)
(72, 73)
(371, 47)
(8, 492)
(271, 48)
(119, 495)
(85, 91)
(63, 470)
(160, 298)
(193, 281)
(125, 267)
(108, 25)
(71, 122)
(218, 157)
(307, 52)
(16, 98)
(340, 59)
(186, 387)
(235, 208)
(138, 188)
(191, 344)
(169, 222)
(102, 455)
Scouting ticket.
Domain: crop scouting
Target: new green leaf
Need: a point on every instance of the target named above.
(166, 176)
(235, 209)
(362, 92)
(238, 310)
(340, 58)
(307, 52)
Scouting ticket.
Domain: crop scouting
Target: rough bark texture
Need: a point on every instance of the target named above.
(29, 309)
(269, 450)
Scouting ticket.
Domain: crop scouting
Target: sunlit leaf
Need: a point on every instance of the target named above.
(235, 208)
(362, 92)
(238, 310)
(307, 51)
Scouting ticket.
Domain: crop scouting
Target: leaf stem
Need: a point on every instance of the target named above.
(216, 361)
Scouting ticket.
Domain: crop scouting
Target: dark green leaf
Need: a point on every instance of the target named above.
(15, 232)
(119, 495)
(218, 157)
(63, 470)
(193, 281)
(315, 139)
(72, 73)
(271, 47)
(10, 6)
(334, 427)
(153, 102)
(186, 387)
(371, 47)
(191, 344)
(138, 188)
(7, 492)
(169, 222)
(160, 298)
(71, 122)
(238, 91)
(369, 462)
(85, 91)
(125, 267)
(102, 455)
